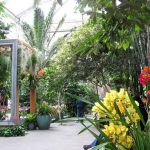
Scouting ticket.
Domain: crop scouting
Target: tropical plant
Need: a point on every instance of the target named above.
(93, 51)
(144, 77)
(4, 28)
(39, 37)
(1, 7)
(116, 27)
(31, 121)
(44, 108)
(31, 118)
(123, 115)
(4, 61)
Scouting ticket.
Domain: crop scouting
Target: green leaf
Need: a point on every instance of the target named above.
(109, 112)
(86, 128)
(100, 146)
(106, 138)
(136, 108)
(125, 44)
(137, 28)
(94, 134)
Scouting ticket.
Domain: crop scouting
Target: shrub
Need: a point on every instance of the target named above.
(44, 108)
(31, 118)
(17, 130)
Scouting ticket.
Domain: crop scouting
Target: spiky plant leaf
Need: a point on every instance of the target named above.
(49, 20)
(39, 28)
(36, 3)
(60, 2)
(49, 39)
(28, 33)
(38, 35)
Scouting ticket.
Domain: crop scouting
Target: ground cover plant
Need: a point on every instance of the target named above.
(17, 130)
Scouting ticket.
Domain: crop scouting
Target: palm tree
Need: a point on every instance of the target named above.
(39, 37)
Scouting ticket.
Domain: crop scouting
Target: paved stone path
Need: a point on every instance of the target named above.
(58, 137)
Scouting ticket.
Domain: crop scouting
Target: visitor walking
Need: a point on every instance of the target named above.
(80, 107)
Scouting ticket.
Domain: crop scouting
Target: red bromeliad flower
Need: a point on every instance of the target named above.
(144, 77)
(148, 92)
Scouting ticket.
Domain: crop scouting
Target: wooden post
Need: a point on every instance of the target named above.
(32, 100)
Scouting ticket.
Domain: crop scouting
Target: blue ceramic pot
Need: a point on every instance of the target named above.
(43, 122)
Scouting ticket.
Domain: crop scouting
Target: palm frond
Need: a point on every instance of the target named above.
(28, 33)
(60, 2)
(1, 7)
(40, 38)
(49, 39)
(53, 50)
(31, 64)
(49, 20)
(38, 28)
(36, 3)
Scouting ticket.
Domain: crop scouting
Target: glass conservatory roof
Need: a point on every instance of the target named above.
(23, 10)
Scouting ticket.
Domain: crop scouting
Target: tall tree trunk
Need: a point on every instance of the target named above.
(33, 100)
(59, 105)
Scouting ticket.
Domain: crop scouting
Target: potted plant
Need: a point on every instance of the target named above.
(30, 121)
(44, 116)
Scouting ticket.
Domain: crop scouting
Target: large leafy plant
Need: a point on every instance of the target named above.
(123, 115)
(44, 108)
(39, 37)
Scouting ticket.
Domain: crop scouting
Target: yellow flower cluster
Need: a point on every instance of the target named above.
(122, 101)
(98, 110)
(118, 135)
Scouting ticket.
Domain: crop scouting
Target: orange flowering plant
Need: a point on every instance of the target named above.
(40, 73)
(144, 78)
